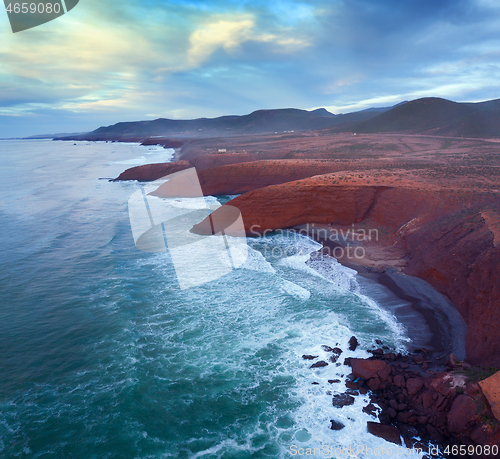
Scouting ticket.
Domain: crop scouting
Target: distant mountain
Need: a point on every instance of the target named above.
(382, 109)
(260, 121)
(322, 112)
(288, 119)
(432, 115)
(52, 136)
(429, 115)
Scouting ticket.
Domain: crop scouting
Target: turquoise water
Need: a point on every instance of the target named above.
(102, 355)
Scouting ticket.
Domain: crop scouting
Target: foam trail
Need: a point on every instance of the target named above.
(256, 262)
(295, 290)
(342, 277)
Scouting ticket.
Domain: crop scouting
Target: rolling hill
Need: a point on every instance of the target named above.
(260, 121)
(432, 115)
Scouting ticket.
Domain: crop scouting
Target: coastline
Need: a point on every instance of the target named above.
(432, 321)
(433, 324)
(430, 399)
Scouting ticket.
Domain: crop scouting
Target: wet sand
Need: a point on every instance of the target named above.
(431, 320)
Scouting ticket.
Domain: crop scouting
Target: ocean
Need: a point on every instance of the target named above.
(103, 355)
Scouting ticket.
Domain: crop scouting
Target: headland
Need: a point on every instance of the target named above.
(432, 201)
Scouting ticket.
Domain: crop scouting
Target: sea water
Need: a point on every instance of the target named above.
(102, 355)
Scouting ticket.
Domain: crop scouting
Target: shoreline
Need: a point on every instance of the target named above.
(427, 399)
(432, 322)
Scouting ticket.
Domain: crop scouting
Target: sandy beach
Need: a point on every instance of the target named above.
(432, 321)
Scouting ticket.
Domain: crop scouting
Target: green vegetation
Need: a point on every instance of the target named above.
(476, 374)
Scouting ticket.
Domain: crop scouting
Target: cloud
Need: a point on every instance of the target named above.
(224, 34)
(230, 34)
(180, 58)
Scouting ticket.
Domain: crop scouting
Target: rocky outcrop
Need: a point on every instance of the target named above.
(150, 172)
(282, 206)
(417, 403)
(217, 178)
(444, 233)
(243, 177)
(322, 199)
(457, 255)
(166, 143)
(341, 400)
(442, 407)
(367, 369)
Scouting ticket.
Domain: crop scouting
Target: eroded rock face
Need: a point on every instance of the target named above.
(458, 257)
(295, 203)
(447, 239)
(434, 405)
(243, 177)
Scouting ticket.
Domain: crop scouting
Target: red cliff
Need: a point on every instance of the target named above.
(150, 172)
(242, 177)
(450, 237)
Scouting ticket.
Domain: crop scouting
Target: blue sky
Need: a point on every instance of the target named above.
(106, 61)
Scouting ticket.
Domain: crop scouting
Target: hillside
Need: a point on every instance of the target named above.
(288, 119)
(260, 121)
(437, 116)
(430, 115)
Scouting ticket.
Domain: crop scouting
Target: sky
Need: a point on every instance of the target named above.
(110, 61)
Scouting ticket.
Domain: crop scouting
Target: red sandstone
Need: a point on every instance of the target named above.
(443, 233)
(150, 172)
(435, 201)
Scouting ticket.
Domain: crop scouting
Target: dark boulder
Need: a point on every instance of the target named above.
(462, 411)
(336, 425)
(309, 357)
(341, 400)
(319, 364)
(388, 433)
(366, 369)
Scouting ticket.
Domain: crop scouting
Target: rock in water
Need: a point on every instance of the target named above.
(309, 357)
(341, 400)
(319, 364)
(388, 433)
(336, 425)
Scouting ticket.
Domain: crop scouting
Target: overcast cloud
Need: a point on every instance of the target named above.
(106, 62)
